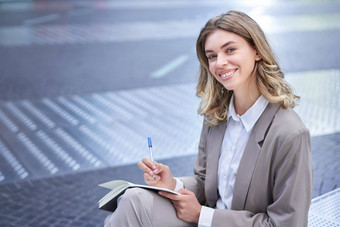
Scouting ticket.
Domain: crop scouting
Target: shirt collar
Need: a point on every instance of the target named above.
(249, 118)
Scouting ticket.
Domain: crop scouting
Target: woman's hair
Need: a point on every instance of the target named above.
(269, 77)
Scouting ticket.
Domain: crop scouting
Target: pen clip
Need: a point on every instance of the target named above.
(149, 142)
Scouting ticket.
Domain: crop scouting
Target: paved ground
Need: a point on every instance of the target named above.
(69, 200)
(83, 84)
(72, 200)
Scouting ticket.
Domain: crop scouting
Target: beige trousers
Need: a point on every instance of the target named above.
(140, 207)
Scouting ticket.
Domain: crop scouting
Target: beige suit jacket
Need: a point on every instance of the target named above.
(274, 181)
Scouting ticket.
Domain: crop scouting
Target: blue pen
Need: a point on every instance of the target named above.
(151, 156)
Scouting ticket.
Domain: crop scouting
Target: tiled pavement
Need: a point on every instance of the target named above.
(79, 133)
(71, 200)
(324, 210)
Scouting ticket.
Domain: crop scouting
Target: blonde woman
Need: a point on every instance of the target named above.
(254, 165)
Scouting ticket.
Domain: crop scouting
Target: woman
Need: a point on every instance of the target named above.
(254, 165)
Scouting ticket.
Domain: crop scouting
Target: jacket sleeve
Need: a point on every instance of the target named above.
(196, 183)
(292, 189)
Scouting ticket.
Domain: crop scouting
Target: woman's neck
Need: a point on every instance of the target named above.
(245, 99)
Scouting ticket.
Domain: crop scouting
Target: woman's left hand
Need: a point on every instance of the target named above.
(187, 206)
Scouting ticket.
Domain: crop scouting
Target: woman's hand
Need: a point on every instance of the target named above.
(164, 178)
(187, 206)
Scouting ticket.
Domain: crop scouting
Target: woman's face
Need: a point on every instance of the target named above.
(231, 60)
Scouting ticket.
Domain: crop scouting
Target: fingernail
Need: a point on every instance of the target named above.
(156, 170)
(150, 173)
(153, 167)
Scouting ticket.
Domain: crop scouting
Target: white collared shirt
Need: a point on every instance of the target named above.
(234, 142)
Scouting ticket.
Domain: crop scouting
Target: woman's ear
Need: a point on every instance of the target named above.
(257, 56)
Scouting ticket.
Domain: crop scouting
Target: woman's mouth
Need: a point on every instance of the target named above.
(227, 74)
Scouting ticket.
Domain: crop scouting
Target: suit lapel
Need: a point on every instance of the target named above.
(250, 155)
(216, 135)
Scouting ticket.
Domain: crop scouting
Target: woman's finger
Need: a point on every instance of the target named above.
(149, 163)
(150, 180)
(145, 168)
(171, 196)
(183, 191)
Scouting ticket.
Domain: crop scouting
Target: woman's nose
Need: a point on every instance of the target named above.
(221, 61)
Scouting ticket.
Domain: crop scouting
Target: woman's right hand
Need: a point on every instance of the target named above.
(164, 178)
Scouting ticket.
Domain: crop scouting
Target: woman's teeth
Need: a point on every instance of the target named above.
(226, 74)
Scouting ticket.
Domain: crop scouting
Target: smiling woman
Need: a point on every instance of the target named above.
(254, 165)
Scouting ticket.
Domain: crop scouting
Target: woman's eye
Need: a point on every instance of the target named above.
(210, 57)
(229, 50)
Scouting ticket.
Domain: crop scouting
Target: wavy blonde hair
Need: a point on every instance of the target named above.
(269, 77)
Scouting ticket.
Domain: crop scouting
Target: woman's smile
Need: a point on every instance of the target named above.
(227, 74)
